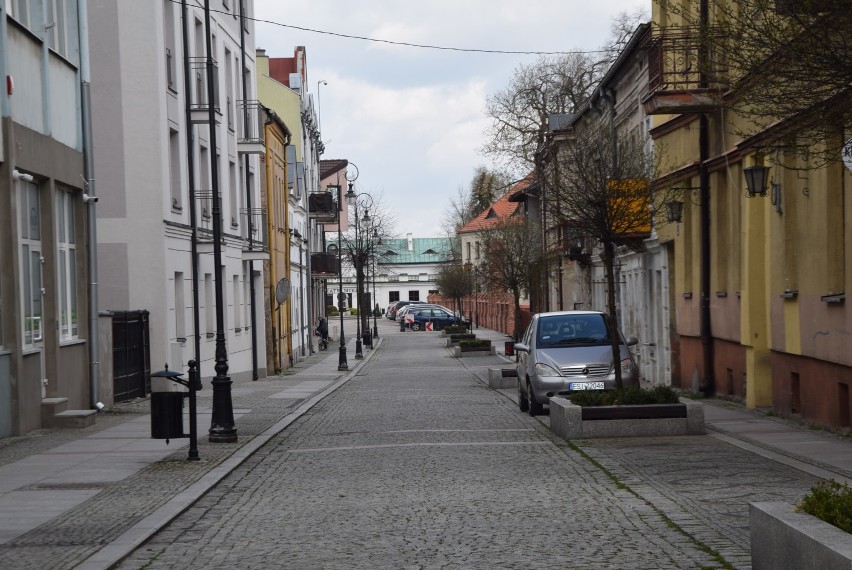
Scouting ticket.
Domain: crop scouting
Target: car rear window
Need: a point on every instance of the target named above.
(572, 329)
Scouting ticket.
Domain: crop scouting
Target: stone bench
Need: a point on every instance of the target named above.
(570, 421)
(502, 378)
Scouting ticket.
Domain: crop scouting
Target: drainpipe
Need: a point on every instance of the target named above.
(249, 223)
(91, 212)
(709, 387)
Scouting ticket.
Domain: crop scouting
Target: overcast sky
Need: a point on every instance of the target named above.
(412, 119)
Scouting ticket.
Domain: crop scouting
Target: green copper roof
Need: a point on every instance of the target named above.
(424, 250)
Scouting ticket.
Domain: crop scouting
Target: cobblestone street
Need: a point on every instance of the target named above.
(415, 463)
(409, 460)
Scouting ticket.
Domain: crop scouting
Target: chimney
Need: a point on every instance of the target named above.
(410, 242)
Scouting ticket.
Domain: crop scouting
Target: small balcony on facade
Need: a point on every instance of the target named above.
(254, 234)
(250, 127)
(324, 265)
(687, 71)
(204, 221)
(199, 104)
(322, 206)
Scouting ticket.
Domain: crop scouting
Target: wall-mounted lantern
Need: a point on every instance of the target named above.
(755, 180)
(674, 210)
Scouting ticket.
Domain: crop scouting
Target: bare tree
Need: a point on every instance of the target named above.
(360, 248)
(513, 258)
(604, 197)
(519, 113)
(787, 63)
(453, 282)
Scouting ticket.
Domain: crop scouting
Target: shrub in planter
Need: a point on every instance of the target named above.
(462, 336)
(831, 502)
(331, 311)
(353, 310)
(474, 344)
(632, 395)
(455, 329)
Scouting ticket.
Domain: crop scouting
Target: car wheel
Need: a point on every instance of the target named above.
(415, 326)
(523, 403)
(536, 409)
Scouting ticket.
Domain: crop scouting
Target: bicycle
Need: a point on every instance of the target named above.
(323, 344)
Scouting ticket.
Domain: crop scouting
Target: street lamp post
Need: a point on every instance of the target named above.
(359, 200)
(341, 360)
(376, 241)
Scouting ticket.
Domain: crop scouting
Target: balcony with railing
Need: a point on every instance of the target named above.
(250, 127)
(322, 206)
(324, 265)
(199, 104)
(204, 221)
(254, 234)
(687, 71)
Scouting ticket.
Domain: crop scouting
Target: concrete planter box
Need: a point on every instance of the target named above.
(460, 352)
(453, 340)
(502, 378)
(782, 538)
(574, 422)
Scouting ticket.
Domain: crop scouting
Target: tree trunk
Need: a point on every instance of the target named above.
(516, 334)
(609, 265)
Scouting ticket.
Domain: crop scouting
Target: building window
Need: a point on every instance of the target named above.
(414, 295)
(19, 9)
(174, 170)
(477, 250)
(180, 308)
(170, 39)
(57, 33)
(209, 306)
(31, 263)
(393, 296)
(67, 259)
(238, 309)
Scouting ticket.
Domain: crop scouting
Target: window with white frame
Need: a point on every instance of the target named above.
(58, 31)
(30, 264)
(20, 10)
(66, 250)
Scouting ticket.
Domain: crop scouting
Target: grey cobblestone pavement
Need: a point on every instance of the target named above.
(412, 462)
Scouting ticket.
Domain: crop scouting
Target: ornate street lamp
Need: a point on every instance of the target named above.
(376, 241)
(359, 200)
(674, 210)
(468, 267)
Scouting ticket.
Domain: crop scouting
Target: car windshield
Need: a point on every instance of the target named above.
(572, 330)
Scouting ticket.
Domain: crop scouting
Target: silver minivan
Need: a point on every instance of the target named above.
(567, 351)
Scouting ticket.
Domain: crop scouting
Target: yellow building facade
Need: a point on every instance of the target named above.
(760, 282)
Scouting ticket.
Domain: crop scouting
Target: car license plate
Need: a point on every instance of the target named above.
(586, 386)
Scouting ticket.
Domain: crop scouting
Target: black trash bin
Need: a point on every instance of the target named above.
(166, 406)
(367, 338)
(509, 348)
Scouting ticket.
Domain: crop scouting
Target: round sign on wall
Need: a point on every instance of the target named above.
(282, 291)
(846, 153)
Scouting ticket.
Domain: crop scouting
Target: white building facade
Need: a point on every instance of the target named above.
(155, 147)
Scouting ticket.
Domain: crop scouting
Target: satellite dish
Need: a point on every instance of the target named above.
(282, 291)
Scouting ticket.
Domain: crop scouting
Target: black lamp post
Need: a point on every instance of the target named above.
(366, 201)
(376, 241)
(222, 429)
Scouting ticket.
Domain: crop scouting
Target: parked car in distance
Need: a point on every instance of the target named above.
(429, 317)
(394, 309)
(566, 351)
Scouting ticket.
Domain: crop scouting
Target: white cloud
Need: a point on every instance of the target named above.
(412, 119)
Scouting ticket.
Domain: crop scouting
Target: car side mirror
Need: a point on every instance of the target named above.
(631, 341)
(521, 347)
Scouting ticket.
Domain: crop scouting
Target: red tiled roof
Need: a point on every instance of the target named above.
(331, 166)
(500, 209)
